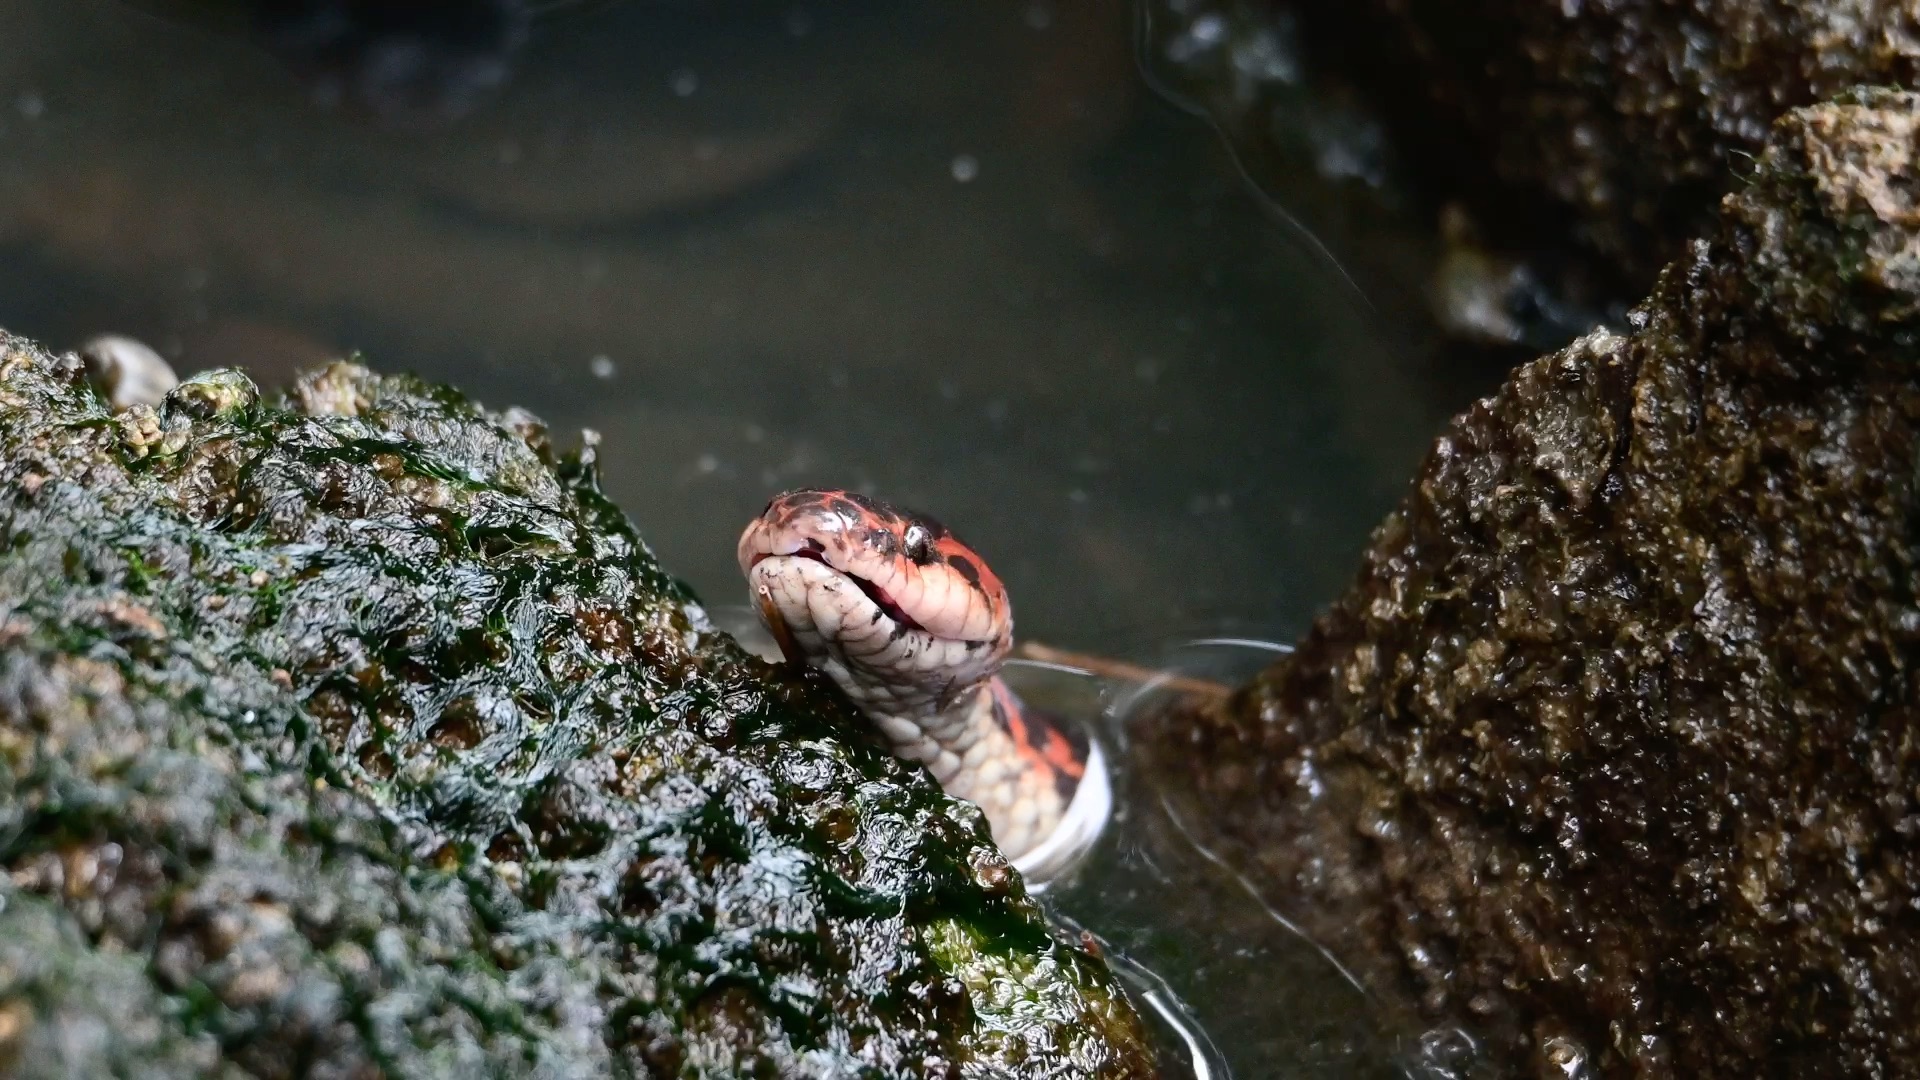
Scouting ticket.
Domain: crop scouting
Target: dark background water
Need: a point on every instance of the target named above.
(957, 255)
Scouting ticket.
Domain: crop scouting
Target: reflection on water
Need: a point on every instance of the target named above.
(1230, 986)
(1236, 988)
(955, 254)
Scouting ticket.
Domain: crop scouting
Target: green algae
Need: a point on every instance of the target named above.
(353, 729)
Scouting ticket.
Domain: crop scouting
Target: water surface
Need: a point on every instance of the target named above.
(956, 255)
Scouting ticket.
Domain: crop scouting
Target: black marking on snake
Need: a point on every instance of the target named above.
(965, 568)
(883, 541)
(929, 523)
(875, 507)
(843, 506)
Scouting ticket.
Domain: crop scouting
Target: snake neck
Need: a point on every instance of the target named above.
(987, 748)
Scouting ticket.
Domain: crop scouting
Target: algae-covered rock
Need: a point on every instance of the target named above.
(1629, 116)
(355, 733)
(1612, 752)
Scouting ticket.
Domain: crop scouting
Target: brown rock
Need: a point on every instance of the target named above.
(1610, 753)
(1631, 116)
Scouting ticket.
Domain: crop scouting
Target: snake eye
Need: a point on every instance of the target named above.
(918, 544)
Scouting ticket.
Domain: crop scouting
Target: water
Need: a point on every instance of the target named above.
(1234, 988)
(1228, 984)
(958, 255)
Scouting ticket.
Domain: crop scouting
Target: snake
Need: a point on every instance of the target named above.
(913, 627)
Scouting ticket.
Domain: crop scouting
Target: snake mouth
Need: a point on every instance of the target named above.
(886, 603)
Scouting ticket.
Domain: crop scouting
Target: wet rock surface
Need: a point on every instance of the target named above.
(354, 732)
(1630, 117)
(1610, 753)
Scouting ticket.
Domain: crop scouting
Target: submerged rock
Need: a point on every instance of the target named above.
(1612, 752)
(354, 731)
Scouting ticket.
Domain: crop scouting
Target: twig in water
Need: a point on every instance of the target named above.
(1120, 670)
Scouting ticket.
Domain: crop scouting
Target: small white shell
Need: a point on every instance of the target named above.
(127, 371)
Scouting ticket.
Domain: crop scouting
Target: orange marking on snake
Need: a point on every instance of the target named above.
(1052, 752)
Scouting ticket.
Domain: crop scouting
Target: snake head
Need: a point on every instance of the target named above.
(889, 603)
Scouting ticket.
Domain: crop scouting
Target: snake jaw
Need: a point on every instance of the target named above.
(880, 597)
(820, 615)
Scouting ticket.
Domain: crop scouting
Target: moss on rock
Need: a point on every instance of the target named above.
(1612, 752)
(354, 731)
